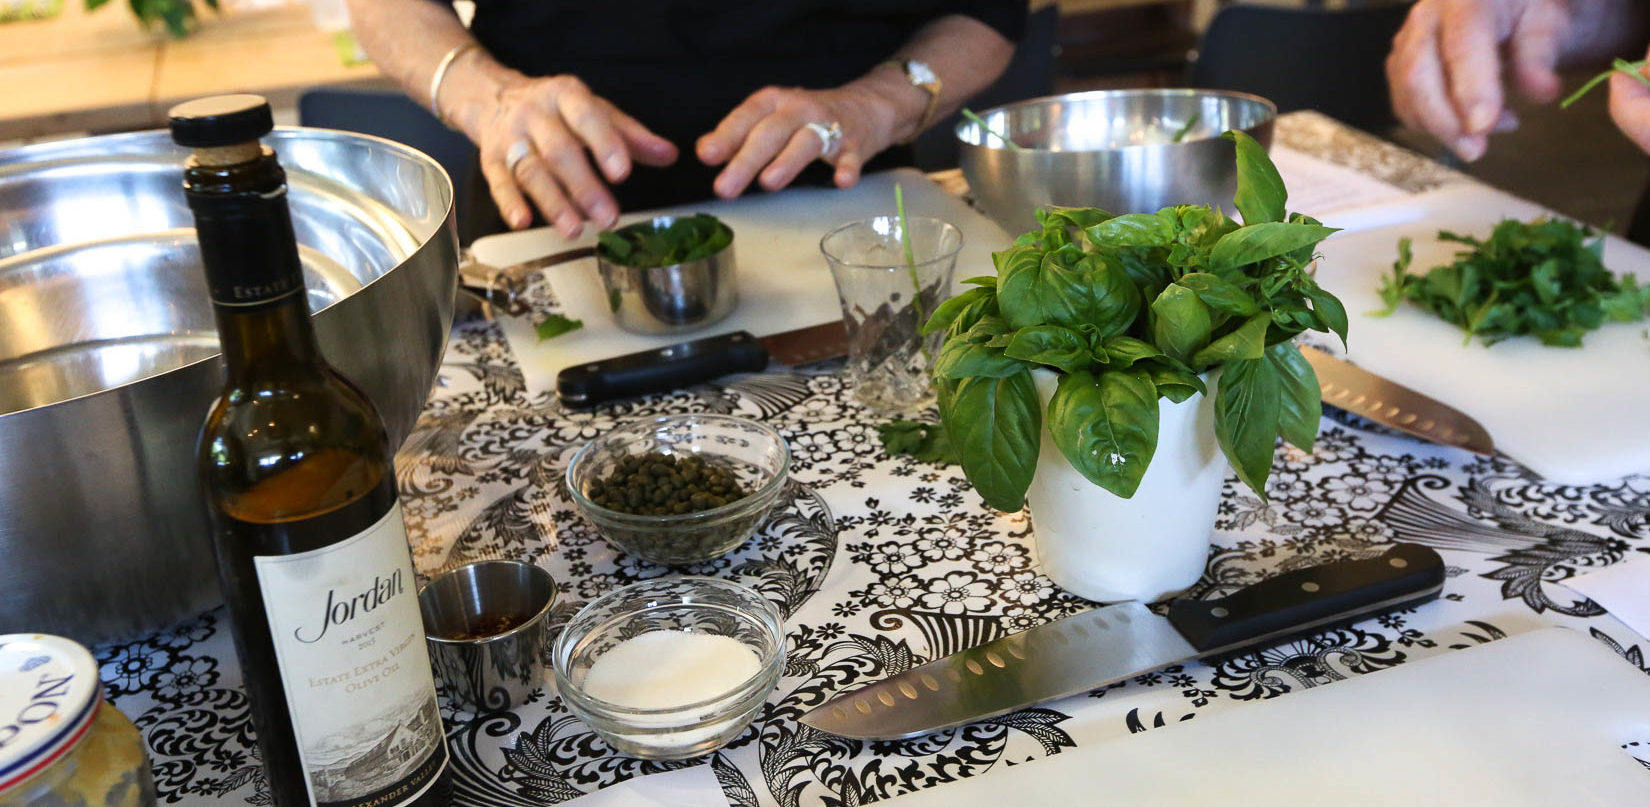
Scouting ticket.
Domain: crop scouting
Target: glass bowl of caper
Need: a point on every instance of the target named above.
(680, 489)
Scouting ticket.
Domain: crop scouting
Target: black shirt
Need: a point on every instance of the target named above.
(679, 66)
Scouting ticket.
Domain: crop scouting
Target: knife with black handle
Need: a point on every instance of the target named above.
(687, 363)
(1106, 645)
(673, 367)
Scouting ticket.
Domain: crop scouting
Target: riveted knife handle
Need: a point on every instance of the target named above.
(660, 370)
(1312, 598)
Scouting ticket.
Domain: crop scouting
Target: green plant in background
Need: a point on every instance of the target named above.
(1545, 278)
(1129, 309)
(175, 15)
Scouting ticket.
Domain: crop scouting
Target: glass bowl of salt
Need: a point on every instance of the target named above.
(670, 668)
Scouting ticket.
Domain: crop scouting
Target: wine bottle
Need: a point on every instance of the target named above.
(296, 469)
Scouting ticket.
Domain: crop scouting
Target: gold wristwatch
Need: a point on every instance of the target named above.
(923, 78)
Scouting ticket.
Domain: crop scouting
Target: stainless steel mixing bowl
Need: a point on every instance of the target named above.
(1109, 149)
(108, 354)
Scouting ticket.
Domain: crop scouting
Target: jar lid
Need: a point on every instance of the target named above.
(49, 692)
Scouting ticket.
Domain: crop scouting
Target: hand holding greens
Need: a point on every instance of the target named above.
(644, 246)
(1633, 69)
(1545, 278)
(1129, 309)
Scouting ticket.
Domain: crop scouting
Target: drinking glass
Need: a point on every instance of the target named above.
(887, 294)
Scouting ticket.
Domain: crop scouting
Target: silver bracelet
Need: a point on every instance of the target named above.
(441, 69)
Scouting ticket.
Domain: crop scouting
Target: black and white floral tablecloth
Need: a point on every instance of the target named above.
(881, 563)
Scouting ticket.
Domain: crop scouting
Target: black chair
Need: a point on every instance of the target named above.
(393, 116)
(1030, 74)
(1330, 60)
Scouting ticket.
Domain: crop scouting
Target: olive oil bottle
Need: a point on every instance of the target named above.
(296, 467)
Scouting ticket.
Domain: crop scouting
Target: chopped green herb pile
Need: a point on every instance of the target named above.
(1127, 310)
(1633, 69)
(1545, 278)
(643, 246)
(555, 325)
(657, 484)
(924, 441)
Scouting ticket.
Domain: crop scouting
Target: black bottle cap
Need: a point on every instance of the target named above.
(221, 120)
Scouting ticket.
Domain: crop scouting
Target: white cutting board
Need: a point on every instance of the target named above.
(1573, 415)
(1535, 720)
(783, 280)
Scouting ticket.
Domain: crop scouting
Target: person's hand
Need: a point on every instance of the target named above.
(538, 143)
(767, 137)
(1630, 107)
(1447, 61)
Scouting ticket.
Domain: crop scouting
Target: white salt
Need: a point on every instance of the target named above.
(665, 669)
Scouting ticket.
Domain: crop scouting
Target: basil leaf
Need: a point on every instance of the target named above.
(1037, 291)
(1080, 217)
(1303, 255)
(1302, 399)
(1247, 342)
(1220, 294)
(1180, 322)
(1106, 426)
(1052, 345)
(616, 245)
(985, 281)
(1260, 193)
(950, 310)
(1175, 384)
(644, 245)
(1254, 243)
(1132, 230)
(927, 442)
(960, 358)
(995, 427)
(1124, 351)
(1329, 312)
(555, 325)
(1246, 419)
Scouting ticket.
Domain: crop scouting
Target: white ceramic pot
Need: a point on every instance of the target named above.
(1101, 547)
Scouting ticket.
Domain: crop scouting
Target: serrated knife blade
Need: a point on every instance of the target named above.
(1075, 654)
(1361, 392)
(1106, 645)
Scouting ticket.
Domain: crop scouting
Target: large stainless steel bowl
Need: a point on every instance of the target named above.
(1110, 149)
(108, 354)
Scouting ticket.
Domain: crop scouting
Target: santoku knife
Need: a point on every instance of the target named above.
(688, 363)
(1343, 385)
(1099, 647)
(1363, 393)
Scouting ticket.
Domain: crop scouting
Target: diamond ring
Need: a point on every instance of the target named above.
(830, 136)
(518, 152)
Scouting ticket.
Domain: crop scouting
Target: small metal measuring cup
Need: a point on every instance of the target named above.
(659, 300)
(481, 672)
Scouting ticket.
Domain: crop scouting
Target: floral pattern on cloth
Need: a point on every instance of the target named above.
(883, 563)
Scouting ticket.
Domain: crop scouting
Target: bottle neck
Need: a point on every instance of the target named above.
(252, 268)
(268, 341)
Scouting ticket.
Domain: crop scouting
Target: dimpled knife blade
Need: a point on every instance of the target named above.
(1064, 657)
(1361, 392)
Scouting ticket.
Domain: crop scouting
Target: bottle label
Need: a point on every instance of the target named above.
(350, 645)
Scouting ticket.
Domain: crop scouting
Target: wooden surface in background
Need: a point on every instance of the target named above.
(102, 72)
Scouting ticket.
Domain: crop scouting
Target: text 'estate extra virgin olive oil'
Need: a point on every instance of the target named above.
(296, 467)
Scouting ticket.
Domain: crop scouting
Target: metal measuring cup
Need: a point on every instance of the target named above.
(657, 300)
(488, 673)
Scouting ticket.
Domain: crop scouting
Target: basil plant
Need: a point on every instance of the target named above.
(1127, 310)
